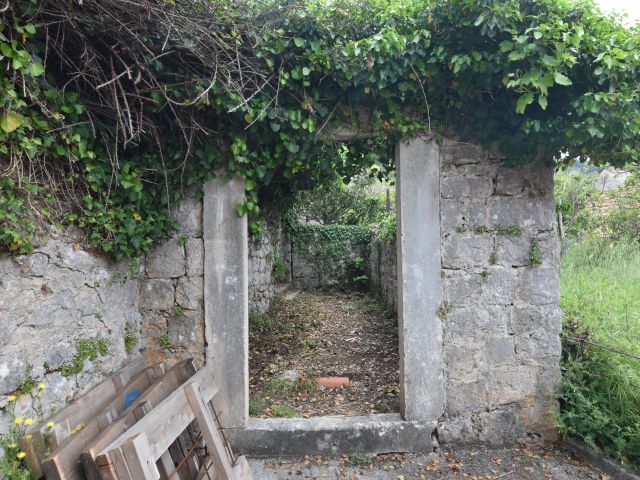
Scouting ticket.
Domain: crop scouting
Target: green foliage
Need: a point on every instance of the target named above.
(279, 270)
(493, 259)
(16, 222)
(256, 405)
(532, 79)
(178, 310)
(283, 411)
(87, 349)
(165, 343)
(327, 247)
(576, 196)
(600, 393)
(535, 255)
(385, 229)
(623, 220)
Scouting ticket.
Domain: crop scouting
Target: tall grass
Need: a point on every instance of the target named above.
(600, 298)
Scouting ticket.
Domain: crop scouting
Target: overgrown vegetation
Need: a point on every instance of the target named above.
(87, 349)
(112, 137)
(600, 281)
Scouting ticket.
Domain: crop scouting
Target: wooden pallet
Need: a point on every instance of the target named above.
(149, 388)
(41, 439)
(143, 452)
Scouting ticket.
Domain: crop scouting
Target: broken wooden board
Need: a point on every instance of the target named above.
(134, 455)
(64, 461)
(42, 439)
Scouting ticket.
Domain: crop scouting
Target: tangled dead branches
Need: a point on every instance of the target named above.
(127, 56)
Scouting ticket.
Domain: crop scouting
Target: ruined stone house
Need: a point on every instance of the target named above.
(473, 273)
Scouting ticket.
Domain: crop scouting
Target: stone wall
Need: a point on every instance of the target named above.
(50, 301)
(172, 291)
(500, 314)
(383, 276)
(264, 251)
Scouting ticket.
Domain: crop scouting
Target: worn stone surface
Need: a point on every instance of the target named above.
(502, 322)
(52, 299)
(264, 251)
(422, 393)
(226, 293)
(383, 275)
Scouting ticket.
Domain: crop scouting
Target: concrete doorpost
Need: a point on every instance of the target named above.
(226, 306)
(419, 282)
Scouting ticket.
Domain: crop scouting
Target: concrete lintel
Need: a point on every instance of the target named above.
(226, 294)
(371, 434)
(419, 282)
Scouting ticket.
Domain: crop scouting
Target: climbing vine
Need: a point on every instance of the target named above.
(110, 141)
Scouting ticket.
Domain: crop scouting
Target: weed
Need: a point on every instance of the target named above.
(493, 259)
(481, 230)
(444, 310)
(130, 339)
(87, 349)
(165, 343)
(535, 256)
(485, 274)
(360, 460)
(178, 310)
(511, 230)
(461, 229)
(283, 411)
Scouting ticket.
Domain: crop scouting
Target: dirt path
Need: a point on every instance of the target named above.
(319, 334)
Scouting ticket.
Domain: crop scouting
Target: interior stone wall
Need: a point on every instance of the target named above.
(501, 320)
(383, 275)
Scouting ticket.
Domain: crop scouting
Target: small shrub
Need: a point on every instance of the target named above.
(535, 256)
(165, 343)
(130, 339)
(87, 349)
(256, 405)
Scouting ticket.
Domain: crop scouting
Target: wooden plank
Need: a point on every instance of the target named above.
(212, 438)
(136, 454)
(79, 411)
(64, 461)
(168, 419)
(152, 397)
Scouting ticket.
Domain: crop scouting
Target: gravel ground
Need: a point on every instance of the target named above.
(530, 463)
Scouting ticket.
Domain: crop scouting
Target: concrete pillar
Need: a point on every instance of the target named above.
(419, 283)
(226, 293)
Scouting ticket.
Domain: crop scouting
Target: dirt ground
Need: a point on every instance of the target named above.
(320, 334)
(530, 463)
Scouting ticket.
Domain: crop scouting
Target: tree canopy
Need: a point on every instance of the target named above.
(112, 108)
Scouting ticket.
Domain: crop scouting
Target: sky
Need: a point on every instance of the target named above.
(632, 7)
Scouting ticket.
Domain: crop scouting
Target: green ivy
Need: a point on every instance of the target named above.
(535, 78)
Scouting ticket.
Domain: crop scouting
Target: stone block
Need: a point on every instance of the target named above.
(459, 186)
(531, 213)
(190, 292)
(513, 251)
(464, 398)
(498, 285)
(189, 217)
(461, 289)
(539, 286)
(194, 249)
(473, 321)
(511, 384)
(500, 351)
(167, 260)
(511, 180)
(157, 294)
(536, 322)
(458, 153)
(464, 363)
(34, 264)
(462, 250)
(184, 329)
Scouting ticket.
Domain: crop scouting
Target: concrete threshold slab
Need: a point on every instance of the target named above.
(371, 434)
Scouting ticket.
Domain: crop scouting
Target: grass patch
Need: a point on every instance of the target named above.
(600, 393)
(256, 405)
(283, 411)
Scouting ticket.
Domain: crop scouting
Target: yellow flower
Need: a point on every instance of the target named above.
(137, 217)
(21, 455)
(12, 445)
(12, 398)
(19, 420)
(28, 421)
(51, 424)
(41, 386)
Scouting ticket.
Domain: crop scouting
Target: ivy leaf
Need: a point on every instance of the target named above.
(562, 79)
(523, 101)
(306, 71)
(542, 100)
(299, 42)
(36, 69)
(10, 121)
